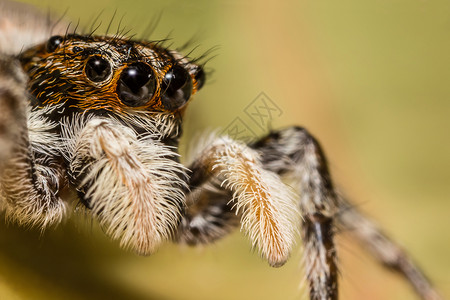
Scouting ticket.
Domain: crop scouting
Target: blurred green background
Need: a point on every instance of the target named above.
(369, 78)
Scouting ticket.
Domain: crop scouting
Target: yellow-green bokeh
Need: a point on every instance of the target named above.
(369, 78)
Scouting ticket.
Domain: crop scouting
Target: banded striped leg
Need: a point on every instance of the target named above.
(209, 215)
(29, 179)
(286, 152)
(267, 206)
(386, 251)
(132, 183)
(294, 153)
(12, 105)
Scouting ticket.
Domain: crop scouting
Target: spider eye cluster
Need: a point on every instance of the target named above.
(138, 84)
(135, 82)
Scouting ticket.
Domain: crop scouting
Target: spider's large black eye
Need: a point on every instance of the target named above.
(176, 88)
(97, 69)
(53, 43)
(137, 85)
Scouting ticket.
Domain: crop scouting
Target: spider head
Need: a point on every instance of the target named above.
(110, 75)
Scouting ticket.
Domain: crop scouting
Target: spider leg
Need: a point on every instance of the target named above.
(30, 180)
(385, 250)
(133, 184)
(266, 205)
(208, 216)
(295, 154)
(286, 152)
(12, 104)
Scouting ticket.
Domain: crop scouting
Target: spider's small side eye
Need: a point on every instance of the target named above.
(77, 49)
(54, 42)
(176, 88)
(137, 85)
(200, 77)
(97, 69)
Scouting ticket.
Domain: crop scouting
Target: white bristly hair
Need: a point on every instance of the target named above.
(132, 184)
(269, 208)
(33, 200)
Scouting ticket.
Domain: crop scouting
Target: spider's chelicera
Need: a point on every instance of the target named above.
(98, 122)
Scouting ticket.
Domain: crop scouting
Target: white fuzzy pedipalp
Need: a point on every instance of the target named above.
(270, 214)
(132, 185)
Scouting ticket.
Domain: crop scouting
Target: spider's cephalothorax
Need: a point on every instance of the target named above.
(97, 120)
(126, 79)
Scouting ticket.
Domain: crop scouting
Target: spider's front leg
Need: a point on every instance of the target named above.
(267, 206)
(132, 183)
(31, 178)
(297, 156)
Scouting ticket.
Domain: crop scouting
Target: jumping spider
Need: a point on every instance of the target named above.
(97, 120)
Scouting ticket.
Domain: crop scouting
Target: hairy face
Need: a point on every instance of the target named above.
(109, 75)
(103, 125)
